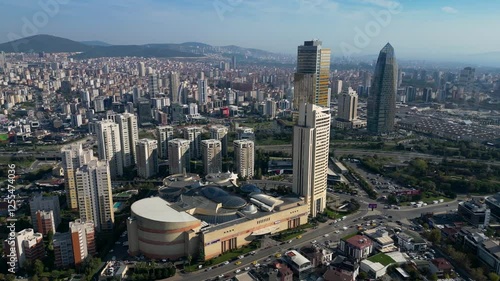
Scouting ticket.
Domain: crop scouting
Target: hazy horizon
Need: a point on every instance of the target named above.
(424, 29)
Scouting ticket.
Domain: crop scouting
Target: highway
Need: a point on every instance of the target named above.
(402, 156)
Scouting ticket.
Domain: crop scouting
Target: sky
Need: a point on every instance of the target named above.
(416, 28)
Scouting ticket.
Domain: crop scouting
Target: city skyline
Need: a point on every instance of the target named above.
(410, 26)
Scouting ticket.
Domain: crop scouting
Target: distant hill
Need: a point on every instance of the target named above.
(43, 43)
(134, 51)
(97, 49)
(96, 43)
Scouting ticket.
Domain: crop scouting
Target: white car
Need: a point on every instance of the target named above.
(247, 268)
(326, 235)
(313, 242)
(226, 263)
(237, 271)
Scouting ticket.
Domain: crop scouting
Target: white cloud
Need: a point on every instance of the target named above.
(449, 10)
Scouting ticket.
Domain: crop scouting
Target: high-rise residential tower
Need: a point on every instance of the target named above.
(311, 142)
(82, 239)
(174, 87)
(164, 135)
(95, 201)
(178, 156)
(219, 132)
(45, 203)
(244, 158)
(73, 157)
(348, 105)
(212, 156)
(109, 146)
(193, 134)
(147, 158)
(202, 91)
(129, 134)
(141, 69)
(153, 85)
(381, 107)
(313, 73)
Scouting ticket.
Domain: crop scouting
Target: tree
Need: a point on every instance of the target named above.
(38, 267)
(435, 236)
(44, 279)
(362, 275)
(189, 259)
(34, 278)
(493, 276)
(434, 277)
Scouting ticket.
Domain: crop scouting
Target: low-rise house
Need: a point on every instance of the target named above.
(441, 267)
(408, 241)
(357, 247)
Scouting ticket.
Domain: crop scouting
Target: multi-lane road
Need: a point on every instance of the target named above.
(401, 156)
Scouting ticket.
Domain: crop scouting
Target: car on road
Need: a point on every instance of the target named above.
(237, 263)
(314, 242)
(326, 235)
(247, 268)
(278, 255)
(237, 271)
(226, 263)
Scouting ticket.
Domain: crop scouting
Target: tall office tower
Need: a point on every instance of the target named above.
(85, 96)
(45, 203)
(202, 91)
(233, 62)
(144, 112)
(311, 142)
(348, 105)
(338, 86)
(153, 85)
(164, 135)
(467, 75)
(244, 158)
(178, 156)
(312, 76)
(82, 239)
(219, 132)
(212, 156)
(2, 59)
(63, 250)
(95, 201)
(381, 107)
(400, 77)
(411, 94)
(437, 79)
(129, 134)
(45, 222)
(109, 146)
(29, 246)
(142, 69)
(201, 75)
(175, 83)
(73, 156)
(427, 95)
(147, 158)
(271, 108)
(193, 109)
(367, 79)
(193, 134)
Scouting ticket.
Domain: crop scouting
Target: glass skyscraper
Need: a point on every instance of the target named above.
(382, 99)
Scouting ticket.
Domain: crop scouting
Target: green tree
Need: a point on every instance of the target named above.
(34, 278)
(434, 277)
(189, 259)
(44, 279)
(435, 236)
(362, 275)
(38, 267)
(493, 276)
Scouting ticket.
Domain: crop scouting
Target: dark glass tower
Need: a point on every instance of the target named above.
(382, 99)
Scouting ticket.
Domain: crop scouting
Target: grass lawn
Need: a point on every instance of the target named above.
(382, 258)
(334, 215)
(229, 256)
(290, 236)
